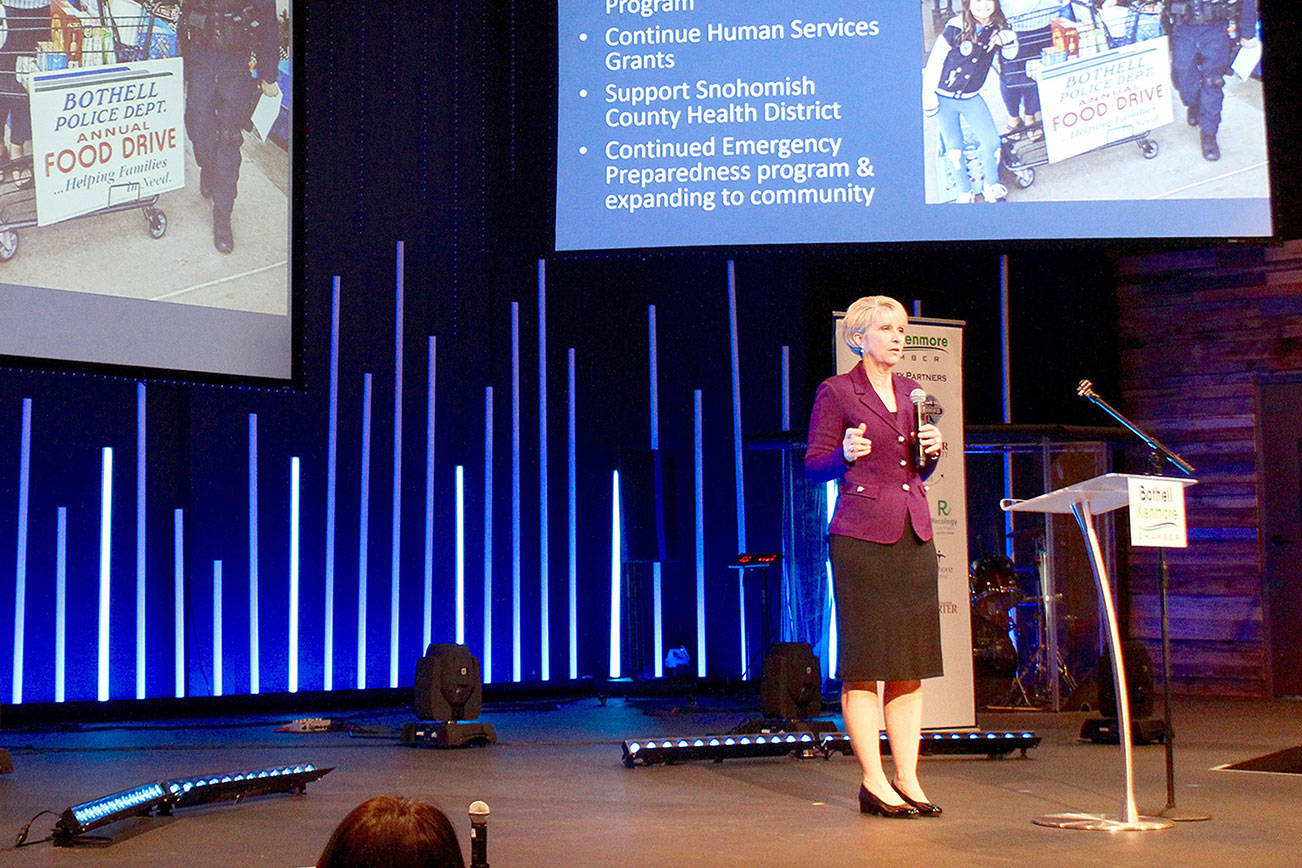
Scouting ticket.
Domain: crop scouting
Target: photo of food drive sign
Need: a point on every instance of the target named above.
(106, 135)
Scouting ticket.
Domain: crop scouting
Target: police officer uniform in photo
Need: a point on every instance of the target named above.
(1202, 35)
(221, 36)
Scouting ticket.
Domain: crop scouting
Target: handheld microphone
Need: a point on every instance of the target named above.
(478, 834)
(919, 398)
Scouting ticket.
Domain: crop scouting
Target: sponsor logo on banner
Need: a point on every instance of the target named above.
(1106, 97)
(1157, 516)
(106, 135)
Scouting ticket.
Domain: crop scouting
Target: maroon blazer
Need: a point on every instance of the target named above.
(881, 490)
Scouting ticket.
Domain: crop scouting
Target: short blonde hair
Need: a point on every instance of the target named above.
(861, 315)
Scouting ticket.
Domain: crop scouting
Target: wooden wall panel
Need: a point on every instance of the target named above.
(1198, 331)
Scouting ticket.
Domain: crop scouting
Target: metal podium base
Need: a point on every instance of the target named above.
(1182, 815)
(1101, 823)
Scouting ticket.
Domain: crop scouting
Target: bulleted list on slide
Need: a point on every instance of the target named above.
(716, 120)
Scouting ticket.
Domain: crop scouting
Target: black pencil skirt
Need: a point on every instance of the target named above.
(887, 609)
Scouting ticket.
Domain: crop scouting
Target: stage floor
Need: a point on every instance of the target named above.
(560, 796)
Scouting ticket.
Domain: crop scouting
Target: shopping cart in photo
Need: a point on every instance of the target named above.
(1076, 39)
(18, 205)
(71, 37)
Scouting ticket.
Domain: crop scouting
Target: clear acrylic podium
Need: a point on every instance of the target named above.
(1084, 500)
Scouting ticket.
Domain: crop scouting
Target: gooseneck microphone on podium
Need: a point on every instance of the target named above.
(478, 834)
(1086, 390)
(919, 398)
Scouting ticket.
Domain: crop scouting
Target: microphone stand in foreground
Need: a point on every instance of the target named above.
(1158, 456)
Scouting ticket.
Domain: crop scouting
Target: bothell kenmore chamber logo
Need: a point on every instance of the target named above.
(931, 348)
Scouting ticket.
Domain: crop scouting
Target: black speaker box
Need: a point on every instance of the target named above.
(448, 684)
(1139, 681)
(791, 685)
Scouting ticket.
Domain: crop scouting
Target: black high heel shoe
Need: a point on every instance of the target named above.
(924, 809)
(870, 804)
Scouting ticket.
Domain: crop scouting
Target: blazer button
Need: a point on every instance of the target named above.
(906, 486)
(903, 463)
(859, 488)
(901, 439)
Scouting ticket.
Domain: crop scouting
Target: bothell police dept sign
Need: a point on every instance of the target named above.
(106, 135)
(1157, 512)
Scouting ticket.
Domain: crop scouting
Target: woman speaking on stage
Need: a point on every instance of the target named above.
(884, 568)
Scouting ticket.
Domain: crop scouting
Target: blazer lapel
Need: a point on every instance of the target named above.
(868, 396)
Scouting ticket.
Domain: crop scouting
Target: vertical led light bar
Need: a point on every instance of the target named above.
(460, 543)
(516, 602)
(178, 602)
(60, 604)
(332, 468)
(395, 553)
(294, 506)
(105, 565)
(831, 594)
(140, 540)
(216, 628)
(364, 532)
(571, 517)
(255, 668)
(787, 622)
(488, 535)
(786, 388)
(20, 568)
(544, 549)
(427, 609)
(698, 486)
(616, 560)
(737, 460)
(657, 608)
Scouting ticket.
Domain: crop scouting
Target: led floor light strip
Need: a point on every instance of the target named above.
(655, 751)
(162, 797)
(991, 744)
(666, 751)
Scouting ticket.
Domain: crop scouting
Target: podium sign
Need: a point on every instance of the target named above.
(1157, 513)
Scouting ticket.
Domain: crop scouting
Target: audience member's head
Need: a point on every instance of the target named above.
(394, 833)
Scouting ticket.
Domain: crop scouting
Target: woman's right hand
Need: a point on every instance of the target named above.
(854, 445)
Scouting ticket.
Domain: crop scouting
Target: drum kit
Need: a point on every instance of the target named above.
(1004, 644)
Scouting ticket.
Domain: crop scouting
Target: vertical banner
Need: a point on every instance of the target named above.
(106, 135)
(934, 357)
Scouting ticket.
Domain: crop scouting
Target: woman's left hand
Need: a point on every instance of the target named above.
(932, 440)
